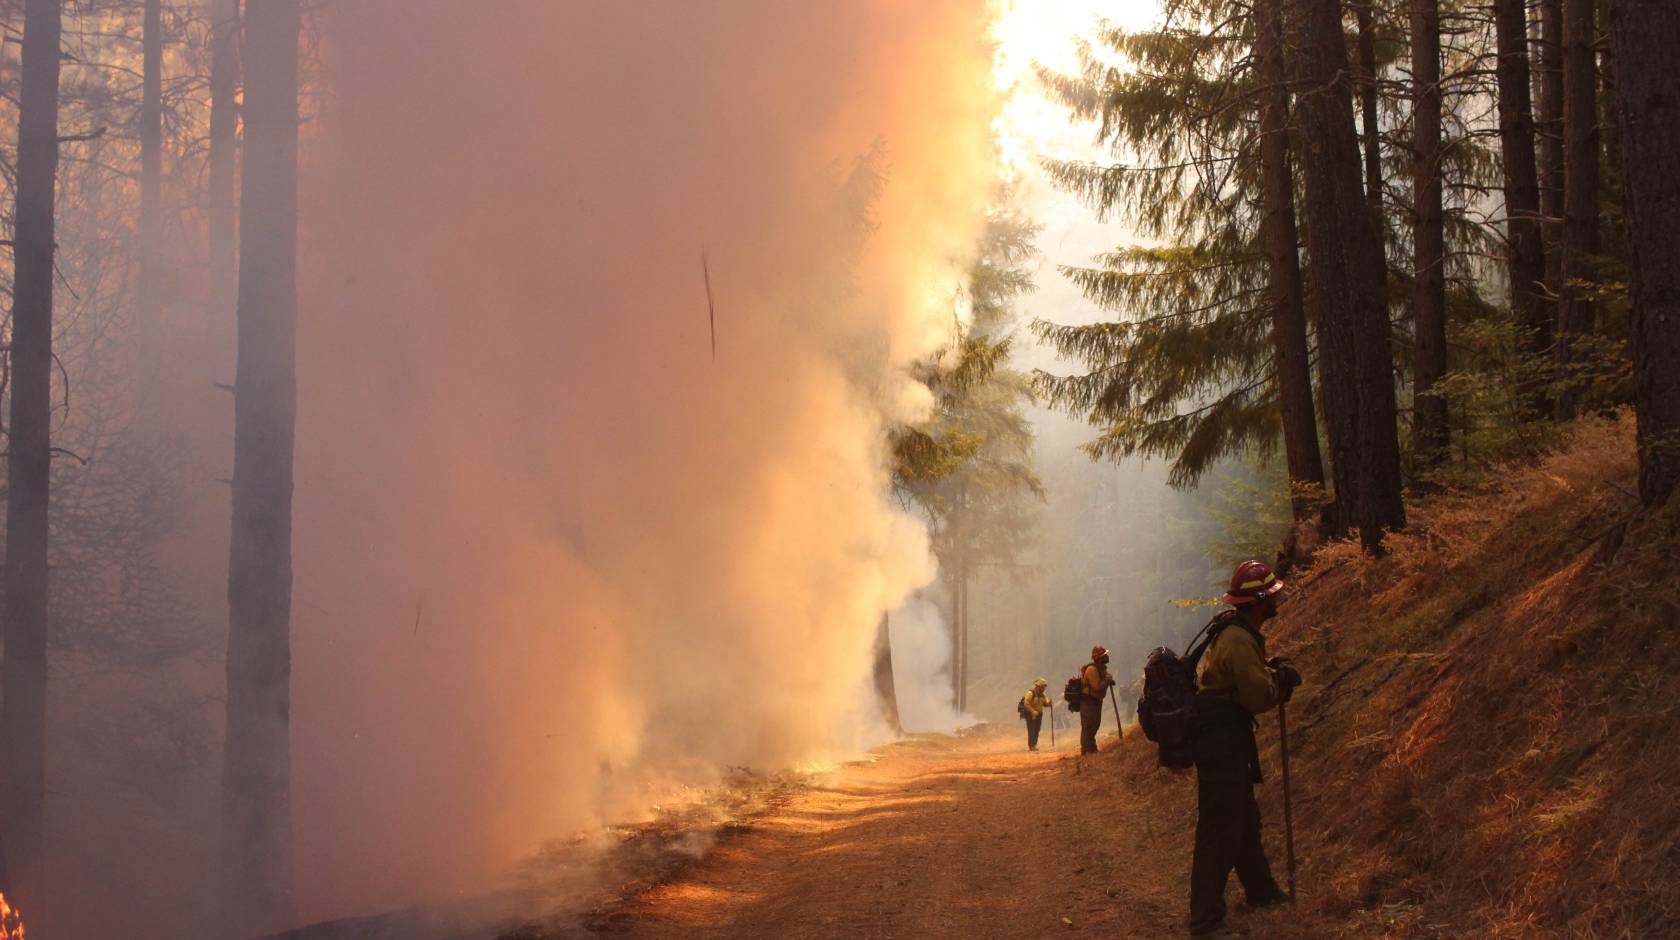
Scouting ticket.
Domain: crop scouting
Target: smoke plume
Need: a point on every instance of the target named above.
(550, 552)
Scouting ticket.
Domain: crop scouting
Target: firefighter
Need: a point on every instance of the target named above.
(1237, 683)
(1094, 683)
(1033, 705)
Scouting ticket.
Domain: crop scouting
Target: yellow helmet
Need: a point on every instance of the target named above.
(1040, 682)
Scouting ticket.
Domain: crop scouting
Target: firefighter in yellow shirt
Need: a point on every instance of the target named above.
(1033, 705)
(1094, 683)
(1237, 683)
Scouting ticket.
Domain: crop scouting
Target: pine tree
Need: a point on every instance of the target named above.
(969, 467)
(1187, 369)
(1645, 35)
(1525, 253)
(23, 712)
(1581, 156)
(221, 229)
(256, 803)
(1429, 304)
(1356, 367)
(1283, 267)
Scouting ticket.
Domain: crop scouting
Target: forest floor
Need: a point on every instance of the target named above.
(934, 836)
(1487, 745)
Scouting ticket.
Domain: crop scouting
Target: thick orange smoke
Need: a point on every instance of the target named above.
(549, 553)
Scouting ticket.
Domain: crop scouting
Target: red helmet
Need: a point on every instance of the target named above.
(1252, 581)
(1099, 653)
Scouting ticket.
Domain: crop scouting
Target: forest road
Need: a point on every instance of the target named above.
(934, 836)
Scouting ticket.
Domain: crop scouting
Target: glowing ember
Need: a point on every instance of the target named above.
(11, 922)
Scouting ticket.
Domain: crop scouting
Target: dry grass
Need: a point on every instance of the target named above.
(1488, 742)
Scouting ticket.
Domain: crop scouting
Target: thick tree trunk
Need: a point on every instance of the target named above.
(962, 630)
(28, 459)
(1580, 193)
(1355, 360)
(1429, 304)
(256, 810)
(224, 147)
(1551, 156)
(1646, 34)
(1526, 262)
(886, 690)
(1283, 267)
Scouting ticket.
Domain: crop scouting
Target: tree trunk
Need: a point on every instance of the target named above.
(1283, 267)
(1526, 262)
(256, 811)
(1429, 305)
(224, 147)
(1580, 194)
(886, 691)
(962, 629)
(1355, 360)
(1551, 157)
(1646, 34)
(28, 464)
(151, 213)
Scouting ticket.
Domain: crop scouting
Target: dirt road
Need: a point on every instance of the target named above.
(937, 836)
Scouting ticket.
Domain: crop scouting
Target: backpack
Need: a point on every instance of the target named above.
(1073, 693)
(1167, 709)
(1021, 708)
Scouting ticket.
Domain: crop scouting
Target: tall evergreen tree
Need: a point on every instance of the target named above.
(1550, 49)
(1283, 266)
(1429, 291)
(1356, 367)
(1646, 34)
(23, 710)
(256, 802)
(1581, 155)
(969, 468)
(1188, 369)
(1525, 252)
(224, 143)
(151, 200)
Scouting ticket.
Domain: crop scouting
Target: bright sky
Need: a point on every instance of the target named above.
(1033, 127)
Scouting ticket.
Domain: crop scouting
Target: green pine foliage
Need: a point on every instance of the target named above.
(1183, 372)
(969, 466)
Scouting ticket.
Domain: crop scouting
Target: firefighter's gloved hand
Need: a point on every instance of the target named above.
(1287, 679)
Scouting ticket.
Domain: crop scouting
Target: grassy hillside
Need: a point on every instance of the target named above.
(1487, 744)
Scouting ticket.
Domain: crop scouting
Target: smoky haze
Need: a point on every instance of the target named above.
(550, 555)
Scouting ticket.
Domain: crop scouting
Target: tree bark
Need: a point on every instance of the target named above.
(256, 811)
(1551, 157)
(28, 464)
(1429, 304)
(1283, 267)
(1526, 262)
(1355, 361)
(886, 691)
(151, 186)
(1646, 34)
(224, 148)
(962, 629)
(1580, 194)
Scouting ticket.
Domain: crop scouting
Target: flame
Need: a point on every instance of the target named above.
(11, 922)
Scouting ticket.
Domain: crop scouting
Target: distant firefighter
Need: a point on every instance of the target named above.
(1094, 683)
(1032, 708)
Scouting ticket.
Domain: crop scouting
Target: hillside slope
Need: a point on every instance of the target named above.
(1487, 743)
